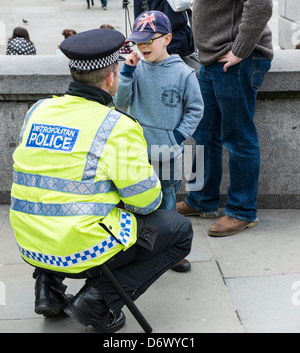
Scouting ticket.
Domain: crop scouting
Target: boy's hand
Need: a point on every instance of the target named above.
(132, 59)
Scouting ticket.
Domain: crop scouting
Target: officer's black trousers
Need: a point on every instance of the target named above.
(137, 268)
(164, 238)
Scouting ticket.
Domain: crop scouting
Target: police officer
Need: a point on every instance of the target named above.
(85, 194)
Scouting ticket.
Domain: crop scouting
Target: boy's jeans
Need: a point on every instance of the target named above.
(170, 183)
(229, 107)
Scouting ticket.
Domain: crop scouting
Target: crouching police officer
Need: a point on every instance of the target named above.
(85, 194)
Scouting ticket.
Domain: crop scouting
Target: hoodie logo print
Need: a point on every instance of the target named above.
(171, 96)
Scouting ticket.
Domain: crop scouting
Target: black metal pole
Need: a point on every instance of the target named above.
(127, 300)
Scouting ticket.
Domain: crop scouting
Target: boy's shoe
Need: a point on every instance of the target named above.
(186, 210)
(227, 225)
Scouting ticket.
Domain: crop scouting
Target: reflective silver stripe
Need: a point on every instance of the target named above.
(86, 186)
(139, 187)
(65, 209)
(98, 144)
(63, 185)
(27, 117)
(145, 210)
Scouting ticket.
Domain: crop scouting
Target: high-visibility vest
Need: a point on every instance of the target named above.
(77, 159)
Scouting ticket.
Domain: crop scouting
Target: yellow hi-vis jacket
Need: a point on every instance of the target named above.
(77, 159)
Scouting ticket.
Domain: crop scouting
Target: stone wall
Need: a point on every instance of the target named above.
(23, 80)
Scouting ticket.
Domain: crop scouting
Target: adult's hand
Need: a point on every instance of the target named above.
(230, 59)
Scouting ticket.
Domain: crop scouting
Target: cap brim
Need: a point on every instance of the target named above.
(139, 37)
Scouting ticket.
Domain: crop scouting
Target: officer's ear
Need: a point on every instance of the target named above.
(110, 79)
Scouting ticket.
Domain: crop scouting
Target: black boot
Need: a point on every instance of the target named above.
(89, 308)
(50, 297)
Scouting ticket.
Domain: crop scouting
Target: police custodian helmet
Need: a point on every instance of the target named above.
(93, 50)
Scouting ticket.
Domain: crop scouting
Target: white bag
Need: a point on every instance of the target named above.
(180, 5)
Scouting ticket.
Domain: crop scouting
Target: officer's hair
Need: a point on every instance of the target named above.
(96, 77)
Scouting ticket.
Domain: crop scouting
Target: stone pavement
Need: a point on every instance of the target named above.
(249, 283)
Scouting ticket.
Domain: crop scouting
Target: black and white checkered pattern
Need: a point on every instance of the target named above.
(94, 64)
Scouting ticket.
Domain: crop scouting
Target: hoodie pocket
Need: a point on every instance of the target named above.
(161, 144)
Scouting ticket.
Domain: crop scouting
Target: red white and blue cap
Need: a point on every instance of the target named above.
(147, 24)
(93, 50)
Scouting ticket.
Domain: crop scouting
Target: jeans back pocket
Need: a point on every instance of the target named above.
(260, 67)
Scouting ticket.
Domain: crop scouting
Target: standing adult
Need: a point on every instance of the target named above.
(103, 3)
(235, 50)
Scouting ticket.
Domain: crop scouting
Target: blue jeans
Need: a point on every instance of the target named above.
(229, 107)
(169, 189)
(169, 184)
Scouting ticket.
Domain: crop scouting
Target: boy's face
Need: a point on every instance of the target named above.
(157, 50)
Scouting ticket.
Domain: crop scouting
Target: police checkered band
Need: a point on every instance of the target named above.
(125, 232)
(93, 64)
(74, 259)
(93, 252)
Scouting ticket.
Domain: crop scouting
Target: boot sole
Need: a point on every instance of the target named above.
(47, 309)
(77, 315)
(226, 234)
(85, 321)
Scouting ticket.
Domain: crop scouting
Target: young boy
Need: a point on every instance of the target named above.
(163, 93)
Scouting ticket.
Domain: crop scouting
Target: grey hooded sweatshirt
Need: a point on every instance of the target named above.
(164, 97)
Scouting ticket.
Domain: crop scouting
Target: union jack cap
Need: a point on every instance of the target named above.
(148, 23)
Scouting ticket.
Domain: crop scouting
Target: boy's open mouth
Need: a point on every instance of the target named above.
(147, 53)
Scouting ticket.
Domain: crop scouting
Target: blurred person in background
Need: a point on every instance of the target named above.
(66, 33)
(19, 43)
